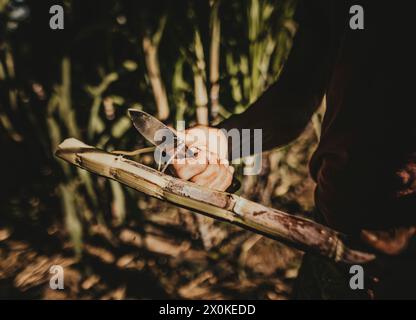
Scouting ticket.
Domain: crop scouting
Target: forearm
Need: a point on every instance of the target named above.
(284, 110)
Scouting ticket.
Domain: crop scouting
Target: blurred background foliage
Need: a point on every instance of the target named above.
(198, 61)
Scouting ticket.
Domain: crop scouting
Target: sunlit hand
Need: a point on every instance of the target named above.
(209, 167)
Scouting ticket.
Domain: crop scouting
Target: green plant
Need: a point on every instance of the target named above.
(199, 61)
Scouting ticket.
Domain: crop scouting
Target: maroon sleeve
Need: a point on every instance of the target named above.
(284, 110)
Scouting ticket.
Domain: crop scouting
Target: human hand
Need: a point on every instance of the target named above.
(209, 167)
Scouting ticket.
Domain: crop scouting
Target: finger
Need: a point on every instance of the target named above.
(211, 139)
(223, 179)
(227, 182)
(204, 156)
(224, 162)
(186, 172)
(189, 167)
(207, 176)
(191, 157)
(213, 158)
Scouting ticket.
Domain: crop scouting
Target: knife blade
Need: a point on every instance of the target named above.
(152, 129)
(148, 126)
(155, 131)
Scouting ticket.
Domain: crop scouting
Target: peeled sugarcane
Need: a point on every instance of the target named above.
(299, 232)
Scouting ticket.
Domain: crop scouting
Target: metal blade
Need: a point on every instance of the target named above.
(148, 125)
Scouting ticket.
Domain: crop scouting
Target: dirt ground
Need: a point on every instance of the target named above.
(130, 265)
(162, 251)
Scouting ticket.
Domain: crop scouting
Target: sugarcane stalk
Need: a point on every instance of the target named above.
(200, 89)
(214, 74)
(179, 88)
(151, 48)
(296, 231)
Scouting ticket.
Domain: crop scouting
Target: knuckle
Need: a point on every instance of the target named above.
(229, 178)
